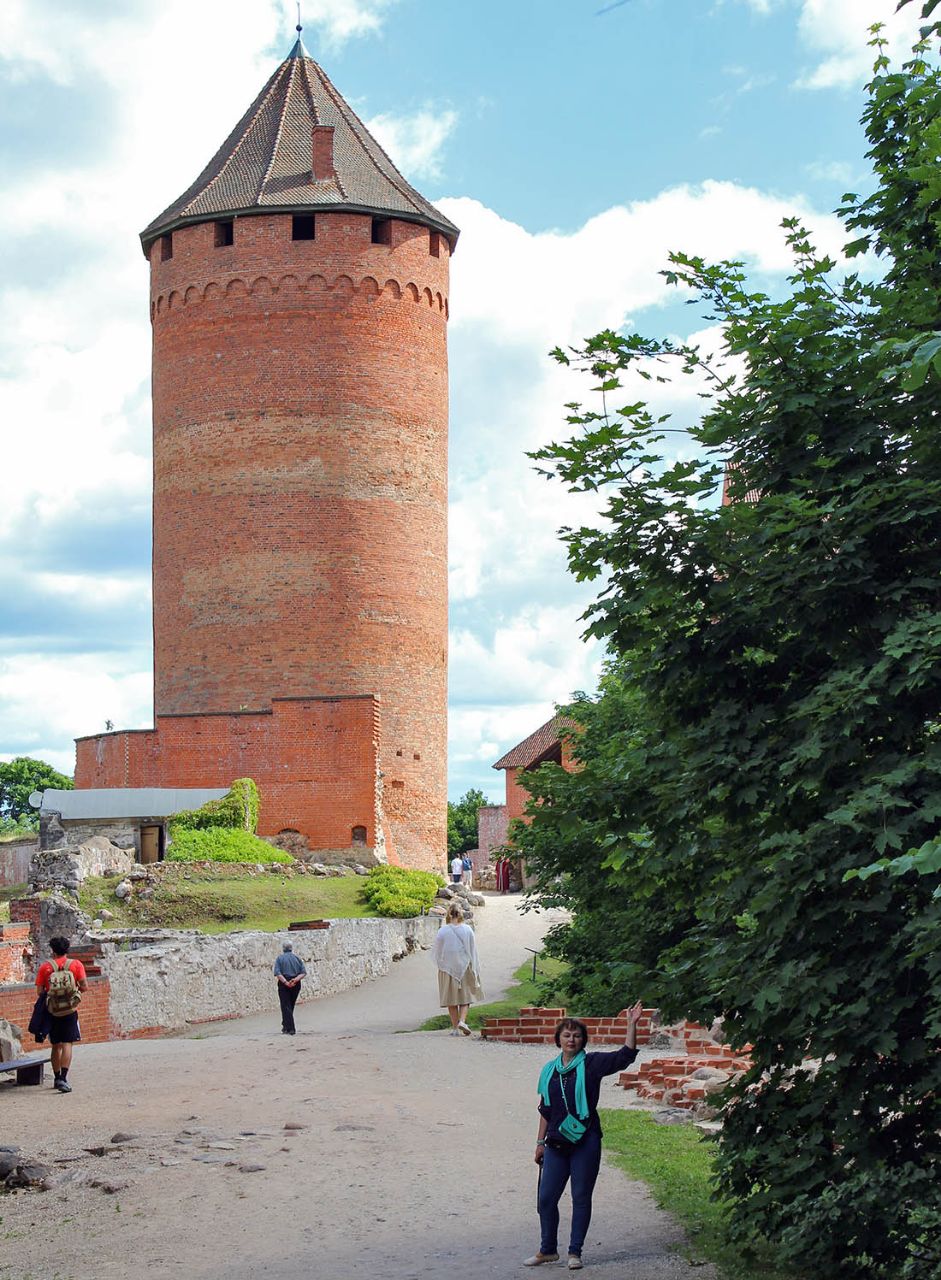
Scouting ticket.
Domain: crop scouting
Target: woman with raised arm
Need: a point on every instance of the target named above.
(568, 1144)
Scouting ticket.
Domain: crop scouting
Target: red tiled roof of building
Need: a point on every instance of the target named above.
(265, 163)
(538, 744)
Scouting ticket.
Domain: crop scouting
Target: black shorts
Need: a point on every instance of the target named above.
(64, 1030)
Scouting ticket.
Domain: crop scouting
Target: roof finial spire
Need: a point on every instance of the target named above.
(299, 51)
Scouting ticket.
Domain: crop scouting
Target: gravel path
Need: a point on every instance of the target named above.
(381, 1155)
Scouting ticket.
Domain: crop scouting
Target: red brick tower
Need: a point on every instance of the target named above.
(299, 299)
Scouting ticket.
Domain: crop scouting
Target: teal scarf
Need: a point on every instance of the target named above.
(578, 1066)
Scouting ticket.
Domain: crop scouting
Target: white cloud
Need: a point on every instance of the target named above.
(122, 44)
(533, 656)
(832, 171)
(837, 33)
(415, 142)
(46, 700)
(515, 294)
(340, 20)
(555, 288)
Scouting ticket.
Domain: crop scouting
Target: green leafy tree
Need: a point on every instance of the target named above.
(462, 822)
(19, 778)
(760, 787)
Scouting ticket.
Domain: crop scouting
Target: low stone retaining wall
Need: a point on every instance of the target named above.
(173, 980)
(154, 983)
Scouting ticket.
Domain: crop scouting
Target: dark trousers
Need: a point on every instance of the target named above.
(288, 997)
(581, 1164)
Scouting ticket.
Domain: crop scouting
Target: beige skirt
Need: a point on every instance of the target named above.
(450, 991)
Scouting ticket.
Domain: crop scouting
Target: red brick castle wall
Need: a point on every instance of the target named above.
(316, 762)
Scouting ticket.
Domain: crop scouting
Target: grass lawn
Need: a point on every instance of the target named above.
(675, 1161)
(524, 992)
(224, 899)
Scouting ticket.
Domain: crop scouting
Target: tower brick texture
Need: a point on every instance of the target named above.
(299, 302)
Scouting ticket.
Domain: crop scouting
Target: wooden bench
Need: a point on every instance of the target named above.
(28, 1070)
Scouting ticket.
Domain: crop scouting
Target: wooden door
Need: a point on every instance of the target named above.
(149, 844)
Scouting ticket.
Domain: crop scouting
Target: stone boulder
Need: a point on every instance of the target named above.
(10, 1041)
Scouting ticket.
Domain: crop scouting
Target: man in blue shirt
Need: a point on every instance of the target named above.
(289, 970)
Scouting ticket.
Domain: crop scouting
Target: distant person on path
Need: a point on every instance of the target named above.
(503, 875)
(457, 868)
(568, 1144)
(62, 981)
(454, 951)
(468, 871)
(289, 971)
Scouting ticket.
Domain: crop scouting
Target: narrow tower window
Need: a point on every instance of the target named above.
(359, 835)
(382, 230)
(302, 226)
(225, 233)
(434, 244)
(166, 248)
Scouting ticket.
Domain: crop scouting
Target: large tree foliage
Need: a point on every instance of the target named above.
(19, 778)
(462, 821)
(760, 790)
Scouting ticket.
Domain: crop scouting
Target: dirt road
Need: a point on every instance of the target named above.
(345, 1151)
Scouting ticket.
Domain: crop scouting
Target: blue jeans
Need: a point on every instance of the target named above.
(581, 1164)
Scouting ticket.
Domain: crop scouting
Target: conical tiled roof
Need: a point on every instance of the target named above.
(265, 163)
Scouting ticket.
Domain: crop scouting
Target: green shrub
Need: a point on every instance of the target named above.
(222, 844)
(395, 891)
(237, 810)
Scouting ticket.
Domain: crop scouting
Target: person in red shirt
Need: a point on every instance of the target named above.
(63, 1032)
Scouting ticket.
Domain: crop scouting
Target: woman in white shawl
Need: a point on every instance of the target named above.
(454, 951)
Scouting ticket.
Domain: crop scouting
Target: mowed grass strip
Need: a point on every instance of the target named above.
(225, 898)
(524, 992)
(676, 1163)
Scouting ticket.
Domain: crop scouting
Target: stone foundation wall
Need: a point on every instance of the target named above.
(175, 979)
(125, 832)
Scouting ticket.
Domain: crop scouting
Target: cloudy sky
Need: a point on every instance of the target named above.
(575, 142)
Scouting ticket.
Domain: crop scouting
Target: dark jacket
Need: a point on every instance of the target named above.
(597, 1066)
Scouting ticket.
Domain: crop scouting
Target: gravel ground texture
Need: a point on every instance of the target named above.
(347, 1150)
